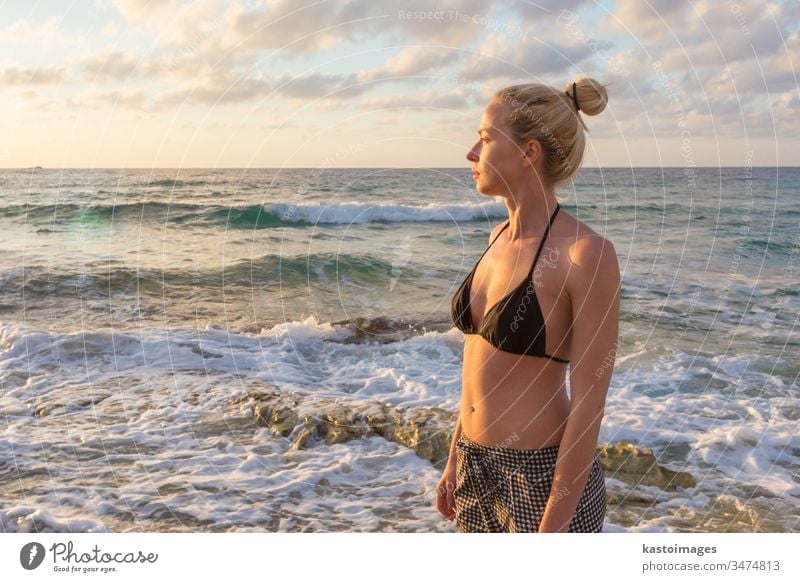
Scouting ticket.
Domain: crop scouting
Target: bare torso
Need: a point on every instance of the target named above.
(513, 400)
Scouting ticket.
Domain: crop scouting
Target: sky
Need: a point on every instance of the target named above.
(388, 83)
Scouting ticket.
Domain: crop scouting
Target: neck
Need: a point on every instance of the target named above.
(529, 213)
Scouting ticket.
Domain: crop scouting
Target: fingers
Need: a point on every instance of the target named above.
(445, 501)
(451, 502)
(445, 510)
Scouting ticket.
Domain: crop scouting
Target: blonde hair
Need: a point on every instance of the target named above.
(550, 116)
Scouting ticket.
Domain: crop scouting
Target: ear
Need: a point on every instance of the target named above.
(532, 153)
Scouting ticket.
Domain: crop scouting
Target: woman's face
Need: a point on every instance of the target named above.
(498, 163)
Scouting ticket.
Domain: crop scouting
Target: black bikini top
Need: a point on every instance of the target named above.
(514, 324)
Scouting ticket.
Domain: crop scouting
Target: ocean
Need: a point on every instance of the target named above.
(145, 315)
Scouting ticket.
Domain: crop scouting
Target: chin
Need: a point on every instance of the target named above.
(484, 186)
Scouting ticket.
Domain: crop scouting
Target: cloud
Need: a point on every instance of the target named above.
(412, 64)
(131, 99)
(526, 58)
(15, 75)
(139, 8)
(719, 59)
(703, 34)
(42, 34)
(759, 73)
(416, 60)
(297, 28)
(200, 39)
(216, 91)
(308, 29)
(318, 85)
(432, 99)
(114, 64)
(39, 102)
(228, 88)
(723, 37)
(450, 55)
(755, 78)
(188, 24)
(551, 7)
(652, 21)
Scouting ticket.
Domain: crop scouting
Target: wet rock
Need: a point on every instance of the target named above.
(342, 424)
(303, 434)
(67, 401)
(305, 419)
(428, 432)
(633, 465)
(277, 411)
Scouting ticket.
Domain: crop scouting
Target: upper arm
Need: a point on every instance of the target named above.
(593, 285)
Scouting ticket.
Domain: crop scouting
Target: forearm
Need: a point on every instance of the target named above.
(573, 466)
(456, 436)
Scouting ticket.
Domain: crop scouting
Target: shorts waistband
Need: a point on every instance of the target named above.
(550, 452)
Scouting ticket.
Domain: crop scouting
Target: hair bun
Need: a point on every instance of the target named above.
(590, 95)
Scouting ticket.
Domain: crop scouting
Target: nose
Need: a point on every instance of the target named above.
(472, 154)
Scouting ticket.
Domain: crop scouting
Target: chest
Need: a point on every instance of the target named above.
(507, 279)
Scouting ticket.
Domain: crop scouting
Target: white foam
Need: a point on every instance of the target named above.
(761, 454)
(27, 519)
(360, 213)
(156, 393)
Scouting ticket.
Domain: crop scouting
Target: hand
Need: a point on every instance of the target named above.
(445, 502)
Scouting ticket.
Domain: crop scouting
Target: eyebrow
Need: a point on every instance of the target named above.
(483, 129)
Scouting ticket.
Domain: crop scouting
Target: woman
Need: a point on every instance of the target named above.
(523, 456)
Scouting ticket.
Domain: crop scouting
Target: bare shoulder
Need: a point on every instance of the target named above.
(590, 248)
(496, 231)
(581, 242)
(591, 257)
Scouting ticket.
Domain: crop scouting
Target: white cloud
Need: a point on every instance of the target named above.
(37, 100)
(431, 99)
(318, 85)
(298, 28)
(42, 34)
(141, 8)
(720, 59)
(651, 21)
(131, 99)
(532, 58)
(419, 60)
(707, 33)
(216, 91)
(210, 53)
(312, 28)
(17, 75)
(192, 25)
(113, 64)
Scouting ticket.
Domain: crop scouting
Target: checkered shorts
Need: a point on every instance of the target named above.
(499, 489)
